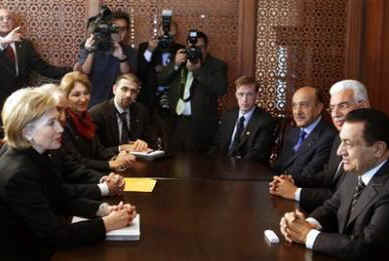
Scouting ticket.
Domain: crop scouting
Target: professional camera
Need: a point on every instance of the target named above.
(165, 40)
(193, 52)
(102, 28)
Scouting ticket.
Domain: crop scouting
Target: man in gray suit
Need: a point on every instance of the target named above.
(353, 223)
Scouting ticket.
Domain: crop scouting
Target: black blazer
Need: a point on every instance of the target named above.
(147, 72)
(32, 198)
(74, 175)
(312, 155)
(88, 152)
(104, 116)
(28, 61)
(256, 140)
(210, 82)
(323, 185)
(364, 235)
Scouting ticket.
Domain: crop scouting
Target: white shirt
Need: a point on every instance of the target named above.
(247, 116)
(312, 235)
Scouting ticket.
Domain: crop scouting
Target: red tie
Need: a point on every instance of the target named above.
(10, 53)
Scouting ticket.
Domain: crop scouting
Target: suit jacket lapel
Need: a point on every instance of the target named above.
(247, 132)
(20, 57)
(230, 125)
(8, 64)
(368, 194)
(308, 143)
(112, 118)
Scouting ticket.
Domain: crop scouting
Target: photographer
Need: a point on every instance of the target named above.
(104, 66)
(195, 80)
(152, 57)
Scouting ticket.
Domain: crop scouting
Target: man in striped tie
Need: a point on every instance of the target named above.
(353, 223)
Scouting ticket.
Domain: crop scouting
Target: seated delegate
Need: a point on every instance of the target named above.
(80, 138)
(32, 196)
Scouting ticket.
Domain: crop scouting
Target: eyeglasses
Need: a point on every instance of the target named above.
(341, 106)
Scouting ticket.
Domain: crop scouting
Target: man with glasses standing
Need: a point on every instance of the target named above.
(103, 68)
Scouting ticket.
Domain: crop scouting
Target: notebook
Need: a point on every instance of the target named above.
(129, 233)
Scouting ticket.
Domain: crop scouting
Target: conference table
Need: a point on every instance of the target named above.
(202, 208)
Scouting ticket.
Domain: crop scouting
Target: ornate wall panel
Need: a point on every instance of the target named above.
(56, 27)
(299, 43)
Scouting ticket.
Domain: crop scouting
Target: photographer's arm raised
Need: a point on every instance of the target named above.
(123, 59)
(86, 66)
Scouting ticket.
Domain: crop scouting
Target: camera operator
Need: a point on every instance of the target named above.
(195, 80)
(102, 66)
(152, 57)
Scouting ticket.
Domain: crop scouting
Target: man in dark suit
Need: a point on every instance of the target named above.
(122, 119)
(247, 131)
(152, 58)
(306, 147)
(194, 87)
(18, 58)
(353, 224)
(346, 96)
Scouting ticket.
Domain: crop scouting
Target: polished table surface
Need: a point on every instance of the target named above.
(196, 216)
(183, 166)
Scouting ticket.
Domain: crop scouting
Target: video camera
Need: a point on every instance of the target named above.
(102, 28)
(193, 52)
(165, 40)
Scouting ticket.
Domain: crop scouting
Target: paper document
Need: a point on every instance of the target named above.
(129, 233)
(139, 184)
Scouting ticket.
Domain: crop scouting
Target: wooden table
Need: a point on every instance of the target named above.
(201, 217)
(184, 166)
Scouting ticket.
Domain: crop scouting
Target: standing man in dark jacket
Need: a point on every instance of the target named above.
(194, 87)
(18, 58)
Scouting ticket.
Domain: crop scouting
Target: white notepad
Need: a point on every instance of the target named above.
(149, 155)
(129, 233)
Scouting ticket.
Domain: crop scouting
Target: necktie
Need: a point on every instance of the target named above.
(238, 133)
(124, 139)
(300, 140)
(239, 130)
(357, 192)
(10, 53)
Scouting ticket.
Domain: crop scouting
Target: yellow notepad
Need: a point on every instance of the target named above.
(139, 184)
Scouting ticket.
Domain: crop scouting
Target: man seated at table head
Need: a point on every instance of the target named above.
(247, 131)
(306, 147)
(353, 224)
(346, 96)
(122, 121)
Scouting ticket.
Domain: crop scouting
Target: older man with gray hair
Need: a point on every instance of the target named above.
(346, 96)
